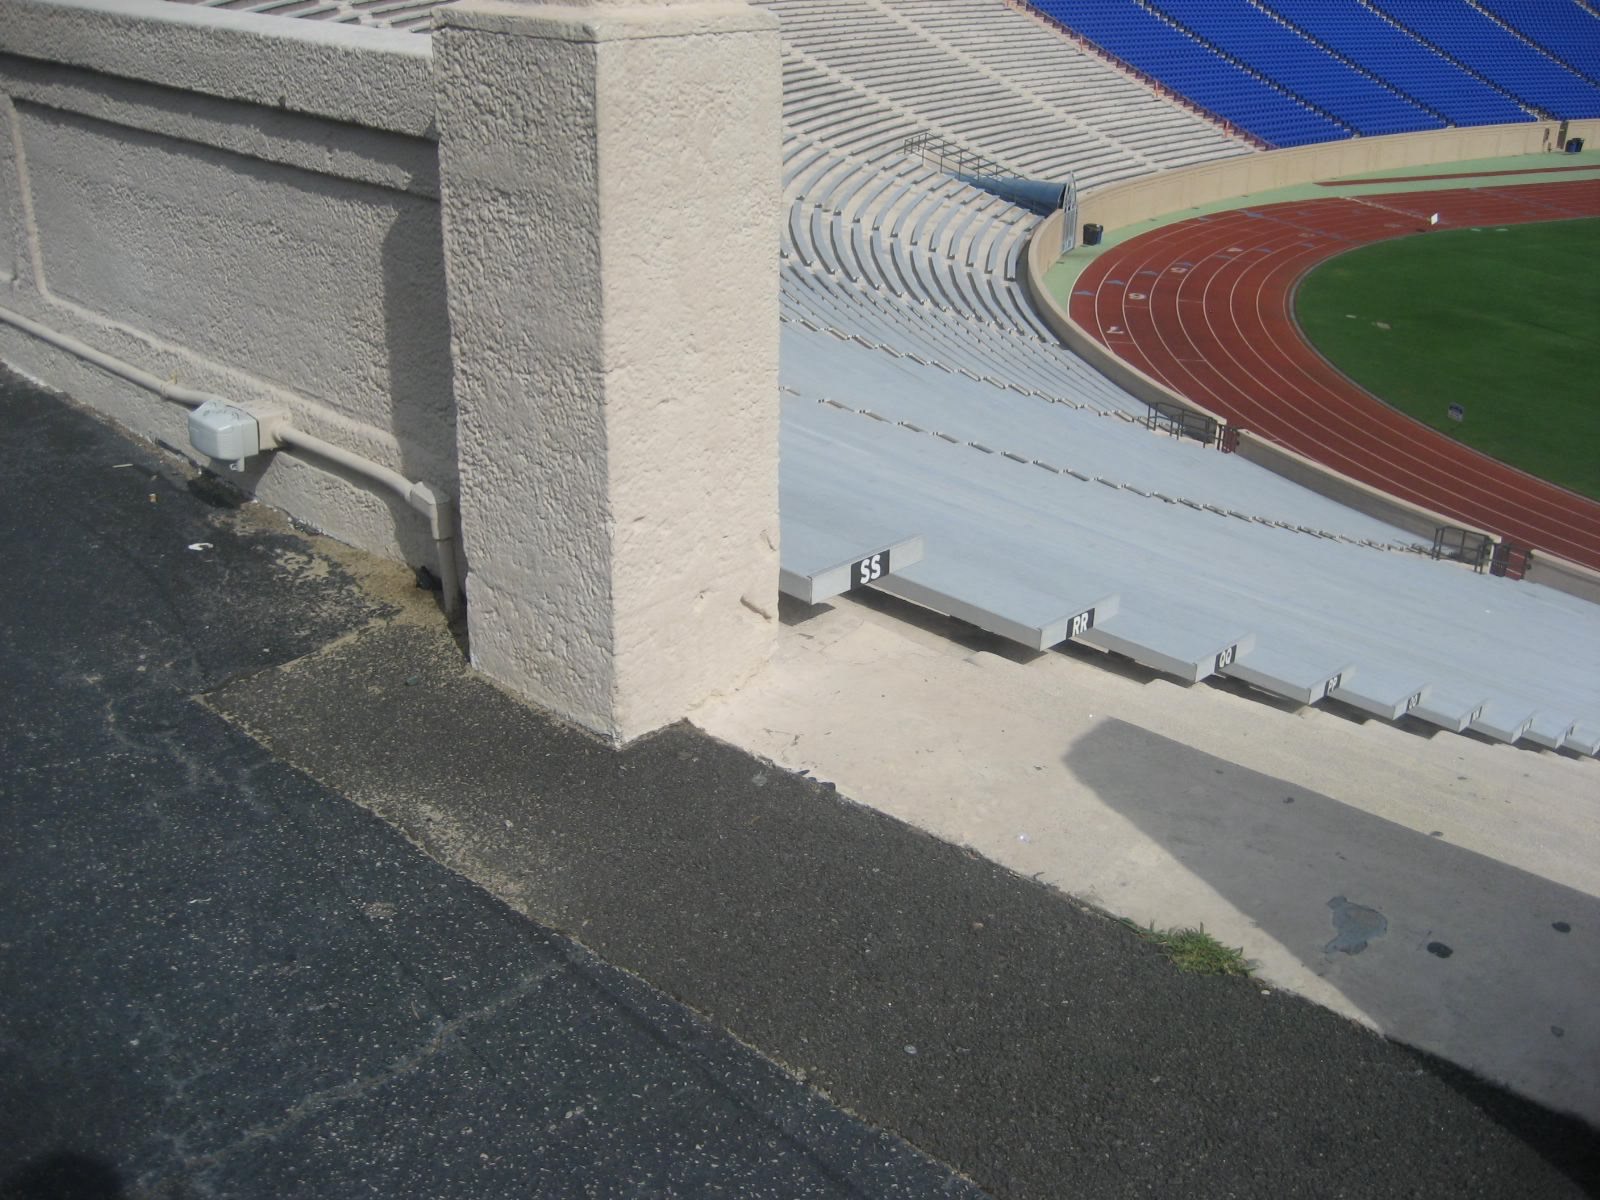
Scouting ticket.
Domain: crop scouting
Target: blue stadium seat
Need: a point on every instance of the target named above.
(1427, 76)
(1298, 71)
(1144, 41)
(1563, 29)
(1474, 40)
(1250, 36)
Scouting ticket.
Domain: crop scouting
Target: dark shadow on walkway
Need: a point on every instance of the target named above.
(1443, 948)
(63, 1175)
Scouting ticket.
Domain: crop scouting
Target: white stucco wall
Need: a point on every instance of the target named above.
(255, 215)
(611, 212)
(689, 267)
(378, 79)
(258, 207)
(11, 239)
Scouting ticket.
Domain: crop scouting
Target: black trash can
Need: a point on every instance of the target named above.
(1574, 145)
(1092, 234)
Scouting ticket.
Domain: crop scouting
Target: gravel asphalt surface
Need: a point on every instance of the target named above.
(292, 904)
(219, 978)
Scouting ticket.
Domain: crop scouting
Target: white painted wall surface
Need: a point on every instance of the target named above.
(11, 240)
(330, 288)
(250, 206)
(243, 206)
(611, 209)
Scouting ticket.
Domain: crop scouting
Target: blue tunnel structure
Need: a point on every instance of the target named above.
(1041, 196)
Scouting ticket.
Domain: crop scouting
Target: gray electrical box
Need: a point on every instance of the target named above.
(222, 431)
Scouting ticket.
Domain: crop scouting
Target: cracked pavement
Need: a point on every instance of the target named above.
(220, 978)
(280, 890)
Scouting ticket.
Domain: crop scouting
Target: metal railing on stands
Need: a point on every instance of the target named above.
(1510, 560)
(1482, 552)
(1041, 196)
(953, 158)
(1464, 546)
(1182, 422)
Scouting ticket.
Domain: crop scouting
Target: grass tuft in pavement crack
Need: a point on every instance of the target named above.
(1195, 950)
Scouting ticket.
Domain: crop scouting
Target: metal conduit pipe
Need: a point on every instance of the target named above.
(426, 499)
(167, 391)
(423, 497)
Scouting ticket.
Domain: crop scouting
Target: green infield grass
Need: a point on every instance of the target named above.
(1501, 320)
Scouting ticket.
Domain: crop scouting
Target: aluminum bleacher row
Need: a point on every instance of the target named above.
(1045, 523)
(922, 399)
(1300, 71)
(927, 413)
(981, 75)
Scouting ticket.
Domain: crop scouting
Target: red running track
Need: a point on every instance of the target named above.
(1206, 306)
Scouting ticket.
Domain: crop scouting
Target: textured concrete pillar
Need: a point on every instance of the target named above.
(611, 198)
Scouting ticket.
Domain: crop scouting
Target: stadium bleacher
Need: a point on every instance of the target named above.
(1563, 29)
(1141, 38)
(1037, 60)
(1391, 66)
(1487, 47)
(958, 75)
(1249, 36)
(922, 398)
(1361, 35)
(1043, 522)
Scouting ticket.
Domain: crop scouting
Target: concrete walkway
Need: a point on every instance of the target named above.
(220, 978)
(240, 954)
(1268, 824)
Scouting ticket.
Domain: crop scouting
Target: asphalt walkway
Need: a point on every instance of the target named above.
(219, 978)
(248, 780)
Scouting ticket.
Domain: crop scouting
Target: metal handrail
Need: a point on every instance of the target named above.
(954, 158)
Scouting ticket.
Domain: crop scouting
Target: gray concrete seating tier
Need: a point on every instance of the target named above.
(985, 74)
(1037, 60)
(909, 229)
(1028, 550)
(1065, 425)
(922, 398)
(983, 350)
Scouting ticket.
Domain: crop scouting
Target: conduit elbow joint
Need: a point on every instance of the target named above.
(435, 505)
